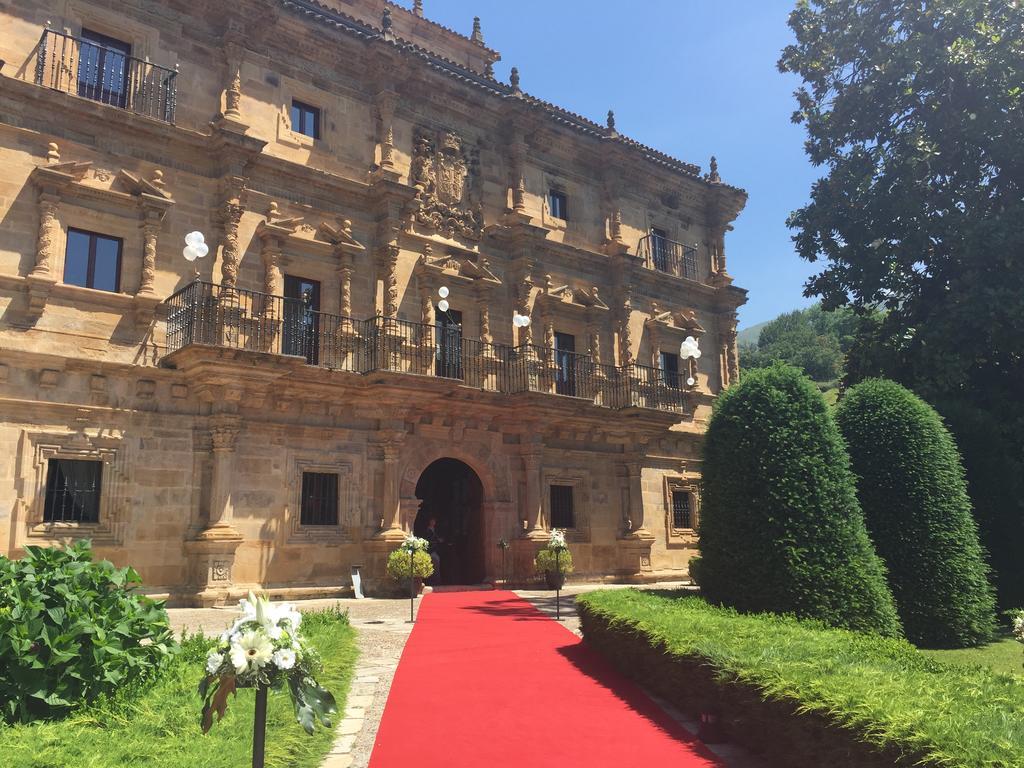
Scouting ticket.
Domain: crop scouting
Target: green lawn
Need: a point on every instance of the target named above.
(1004, 655)
(160, 729)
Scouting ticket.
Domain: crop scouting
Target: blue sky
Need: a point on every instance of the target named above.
(693, 78)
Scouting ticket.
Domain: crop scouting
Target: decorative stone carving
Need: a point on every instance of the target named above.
(389, 256)
(444, 173)
(231, 216)
(48, 228)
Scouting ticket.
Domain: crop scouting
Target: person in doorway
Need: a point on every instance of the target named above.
(434, 540)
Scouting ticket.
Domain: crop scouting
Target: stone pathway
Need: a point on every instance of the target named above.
(382, 628)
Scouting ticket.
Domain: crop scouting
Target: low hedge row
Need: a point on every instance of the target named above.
(801, 694)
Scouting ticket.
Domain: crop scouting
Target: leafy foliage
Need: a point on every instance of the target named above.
(155, 726)
(72, 630)
(912, 489)
(398, 565)
(545, 561)
(915, 111)
(884, 691)
(780, 527)
(810, 339)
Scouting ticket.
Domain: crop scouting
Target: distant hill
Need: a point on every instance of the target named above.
(752, 334)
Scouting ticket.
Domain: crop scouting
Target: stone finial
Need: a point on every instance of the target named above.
(489, 69)
(713, 172)
(52, 152)
(158, 178)
(477, 36)
(611, 121)
(386, 24)
(513, 79)
(346, 226)
(273, 212)
(417, 8)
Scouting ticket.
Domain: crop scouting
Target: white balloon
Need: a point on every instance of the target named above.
(690, 381)
(443, 292)
(190, 253)
(517, 321)
(195, 238)
(690, 340)
(443, 305)
(696, 354)
(526, 321)
(201, 250)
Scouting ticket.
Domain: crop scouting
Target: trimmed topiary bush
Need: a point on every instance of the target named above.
(72, 630)
(780, 527)
(912, 489)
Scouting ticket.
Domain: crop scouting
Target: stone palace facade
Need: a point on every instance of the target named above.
(294, 403)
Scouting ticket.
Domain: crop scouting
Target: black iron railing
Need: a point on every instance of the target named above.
(668, 256)
(107, 74)
(203, 313)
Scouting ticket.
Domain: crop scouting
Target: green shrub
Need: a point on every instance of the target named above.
(545, 561)
(780, 528)
(398, 565)
(995, 483)
(71, 630)
(912, 489)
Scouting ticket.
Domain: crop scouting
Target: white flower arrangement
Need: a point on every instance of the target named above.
(264, 647)
(1018, 625)
(414, 544)
(557, 540)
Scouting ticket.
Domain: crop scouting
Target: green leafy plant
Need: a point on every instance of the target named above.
(781, 529)
(911, 487)
(72, 630)
(398, 565)
(545, 561)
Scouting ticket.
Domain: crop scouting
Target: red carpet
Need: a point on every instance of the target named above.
(488, 680)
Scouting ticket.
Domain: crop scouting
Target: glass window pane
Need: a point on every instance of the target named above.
(108, 257)
(296, 118)
(76, 258)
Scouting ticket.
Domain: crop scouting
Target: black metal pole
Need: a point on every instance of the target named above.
(558, 585)
(412, 586)
(259, 727)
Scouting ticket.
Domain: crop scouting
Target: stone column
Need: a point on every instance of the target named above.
(625, 335)
(345, 270)
(49, 229)
(535, 523)
(273, 281)
(390, 280)
(230, 216)
(517, 152)
(636, 500)
(392, 508)
(386, 101)
(485, 318)
(150, 232)
(233, 88)
(523, 308)
(224, 435)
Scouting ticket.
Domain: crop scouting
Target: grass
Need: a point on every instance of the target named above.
(885, 691)
(160, 727)
(1004, 655)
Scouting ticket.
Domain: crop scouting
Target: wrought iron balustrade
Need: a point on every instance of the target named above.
(207, 314)
(106, 74)
(668, 256)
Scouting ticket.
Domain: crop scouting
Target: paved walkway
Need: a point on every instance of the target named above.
(382, 629)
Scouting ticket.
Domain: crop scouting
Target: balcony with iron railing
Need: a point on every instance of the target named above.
(664, 255)
(105, 73)
(206, 314)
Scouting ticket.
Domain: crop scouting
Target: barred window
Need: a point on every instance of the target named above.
(72, 491)
(682, 513)
(562, 513)
(319, 498)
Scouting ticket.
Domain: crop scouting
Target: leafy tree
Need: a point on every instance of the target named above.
(915, 109)
(780, 526)
(912, 489)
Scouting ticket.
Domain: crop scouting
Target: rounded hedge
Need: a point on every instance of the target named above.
(780, 527)
(912, 489)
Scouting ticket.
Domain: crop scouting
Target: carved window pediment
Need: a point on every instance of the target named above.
(455, 264)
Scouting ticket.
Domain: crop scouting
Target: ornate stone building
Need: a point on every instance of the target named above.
(292, 404)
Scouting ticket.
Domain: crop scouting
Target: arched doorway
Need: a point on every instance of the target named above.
(452, 494)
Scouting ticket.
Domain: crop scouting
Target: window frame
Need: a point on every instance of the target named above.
(688, 512)
(571, 488)
(322, 518)
(53, 464)
(691, 487)
(559, 195)
(670, 378)
(90, 264)
(304, 110)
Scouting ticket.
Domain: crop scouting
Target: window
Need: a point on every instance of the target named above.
(72, 491)
(682, 513)
(562, 514)
(558, 204)
(305, 119)
(93, 261)
(566, 364)
(659, 249)
(670, 369)
(319, 498)
(103, 68)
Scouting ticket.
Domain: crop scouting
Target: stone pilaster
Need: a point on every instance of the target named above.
(230, 216)
(150, 233)
(385, 109)
(389, 278)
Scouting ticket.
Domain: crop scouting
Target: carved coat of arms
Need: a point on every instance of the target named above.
(443, 174)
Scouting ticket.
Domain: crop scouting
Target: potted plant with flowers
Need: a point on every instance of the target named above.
(265, 649)
(411, 560)
(555, 560)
